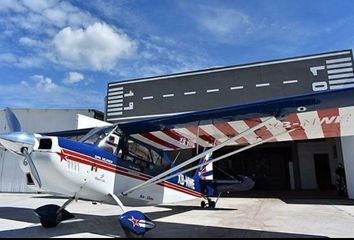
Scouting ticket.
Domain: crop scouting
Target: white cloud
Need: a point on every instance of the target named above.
(43, 83)
(73, 77)
(57, 31)
(44, 16)
(158, 56)
(11, 5)
(62, 33)
(10, 59)
(98, 47)
(39, 5)
(238, 27)
(222, 21)
(26, 41)
(227, 25)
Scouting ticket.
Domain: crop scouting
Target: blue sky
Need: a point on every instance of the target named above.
(62, 54)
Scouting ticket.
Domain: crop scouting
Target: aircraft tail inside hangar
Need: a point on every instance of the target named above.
(288, 165)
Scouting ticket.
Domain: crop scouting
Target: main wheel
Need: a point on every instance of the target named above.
(203, 204)
(212, 204)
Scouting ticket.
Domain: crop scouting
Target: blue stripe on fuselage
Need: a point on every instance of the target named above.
(100, 154)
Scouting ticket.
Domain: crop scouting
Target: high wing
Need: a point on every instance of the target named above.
(318, 115)
(69, 133)
(312, 116)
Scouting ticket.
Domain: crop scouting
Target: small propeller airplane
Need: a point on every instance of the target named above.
(127, 164)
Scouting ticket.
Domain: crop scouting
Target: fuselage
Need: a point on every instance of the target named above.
(86, 171)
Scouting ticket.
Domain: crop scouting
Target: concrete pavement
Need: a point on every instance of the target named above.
(234, 217)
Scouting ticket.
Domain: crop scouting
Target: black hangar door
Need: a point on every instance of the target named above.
(267, 166)
(323, 172)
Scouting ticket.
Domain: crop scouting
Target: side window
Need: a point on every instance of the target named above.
(139, 151)
(143, 156)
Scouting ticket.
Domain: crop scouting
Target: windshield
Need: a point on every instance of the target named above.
(106, 138)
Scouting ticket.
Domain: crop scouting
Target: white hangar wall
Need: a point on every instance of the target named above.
(306, 152)
(348, 155)
(12, 178)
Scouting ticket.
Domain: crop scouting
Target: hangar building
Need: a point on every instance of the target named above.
(286, 165)
(39, 121)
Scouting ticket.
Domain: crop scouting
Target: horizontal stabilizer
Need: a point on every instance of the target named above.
(241, 183)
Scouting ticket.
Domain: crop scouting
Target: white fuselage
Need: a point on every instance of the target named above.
(71, 173)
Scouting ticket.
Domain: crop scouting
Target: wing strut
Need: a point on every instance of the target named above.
(223, 156)
(197, 157)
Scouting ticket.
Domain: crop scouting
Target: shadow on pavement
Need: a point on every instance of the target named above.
(109, 226)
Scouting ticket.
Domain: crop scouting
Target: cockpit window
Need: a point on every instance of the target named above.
(112, 140)
(145, 157)
(106, 138)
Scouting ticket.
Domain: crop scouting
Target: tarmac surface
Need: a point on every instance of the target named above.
(234, 217)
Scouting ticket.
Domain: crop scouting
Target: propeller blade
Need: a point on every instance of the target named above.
(12, 121)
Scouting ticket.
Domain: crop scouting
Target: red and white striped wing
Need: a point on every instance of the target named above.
(326, 123)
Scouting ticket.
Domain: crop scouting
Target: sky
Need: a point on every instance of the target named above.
(62, 54)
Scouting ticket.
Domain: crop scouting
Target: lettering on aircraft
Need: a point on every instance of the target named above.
(103, 159)
(316, 121)
(186, 181)
(149, 198)
(100, 178)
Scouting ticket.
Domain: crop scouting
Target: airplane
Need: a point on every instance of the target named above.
(128, 164)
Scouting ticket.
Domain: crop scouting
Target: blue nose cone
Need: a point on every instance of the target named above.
(15, 141)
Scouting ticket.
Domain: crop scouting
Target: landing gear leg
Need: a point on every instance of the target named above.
(116, 199)
(51, 215)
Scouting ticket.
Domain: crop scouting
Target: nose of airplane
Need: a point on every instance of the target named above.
(15, 141)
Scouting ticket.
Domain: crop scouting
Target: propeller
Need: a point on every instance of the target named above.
(12, 121)
(19, 142)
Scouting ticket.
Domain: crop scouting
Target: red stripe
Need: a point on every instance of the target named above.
(173, 134)
(293, 121)
(88, 160)
(230, 132)
(262, 132)
(203, 134)
(328, 118)
(159, 141)
(93, 161)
